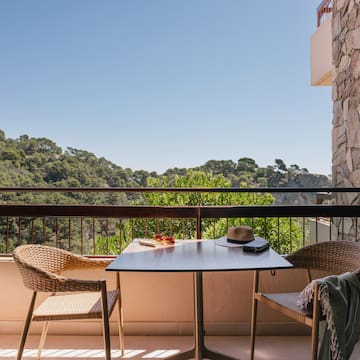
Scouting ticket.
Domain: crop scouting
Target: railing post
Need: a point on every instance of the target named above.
(198, 223)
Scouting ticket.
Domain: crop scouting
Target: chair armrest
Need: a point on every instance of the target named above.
(40, 280)
(63, 284)
(79, 262)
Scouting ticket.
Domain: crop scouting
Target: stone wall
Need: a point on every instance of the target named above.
(346, 97)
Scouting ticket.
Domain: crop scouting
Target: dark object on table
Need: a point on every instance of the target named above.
(257, 245)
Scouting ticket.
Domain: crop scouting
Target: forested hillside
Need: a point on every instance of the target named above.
(39, 162)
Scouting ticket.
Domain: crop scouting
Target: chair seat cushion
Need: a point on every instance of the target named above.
(286, 303)
(74, 306)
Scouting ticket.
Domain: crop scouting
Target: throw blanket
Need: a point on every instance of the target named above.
(340, 303)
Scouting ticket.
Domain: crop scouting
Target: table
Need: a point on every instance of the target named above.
(197, 257)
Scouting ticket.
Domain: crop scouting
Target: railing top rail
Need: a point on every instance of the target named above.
(127, 212)
(183, 189)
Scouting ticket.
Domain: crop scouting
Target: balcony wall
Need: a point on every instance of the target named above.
(321, 54)
(161, 303)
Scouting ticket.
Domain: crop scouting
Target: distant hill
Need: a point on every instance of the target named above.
(39, 162)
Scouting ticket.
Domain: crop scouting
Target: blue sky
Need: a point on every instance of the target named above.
(156, 84)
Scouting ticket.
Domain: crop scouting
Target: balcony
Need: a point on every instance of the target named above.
(321, 47)
(157, 325)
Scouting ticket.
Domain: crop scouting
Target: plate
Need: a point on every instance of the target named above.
(154, 243)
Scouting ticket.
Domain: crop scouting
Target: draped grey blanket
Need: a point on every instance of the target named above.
(340, 303)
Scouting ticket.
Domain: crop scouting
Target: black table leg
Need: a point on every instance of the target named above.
(199, 351)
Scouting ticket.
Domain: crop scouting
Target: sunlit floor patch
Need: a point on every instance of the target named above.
(88, 353)
(160, 354)
(159, 347)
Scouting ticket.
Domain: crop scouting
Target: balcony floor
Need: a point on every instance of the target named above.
(156, 347)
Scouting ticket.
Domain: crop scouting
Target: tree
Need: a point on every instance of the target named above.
(280, 165)
(293, 168)
(223, 167)
(56, 171)
(271, 229)
(140, 177)
(31, 162)
(10, 154)
(246, 164)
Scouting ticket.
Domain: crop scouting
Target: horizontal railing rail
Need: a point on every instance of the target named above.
(182, 189)
(105, 229)
(195, 212)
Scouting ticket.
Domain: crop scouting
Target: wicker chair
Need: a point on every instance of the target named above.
(40, 267)
(333, 257)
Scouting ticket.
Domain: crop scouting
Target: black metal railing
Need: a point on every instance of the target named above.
(106, 229)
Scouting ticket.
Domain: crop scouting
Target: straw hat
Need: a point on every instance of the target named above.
(241, 233)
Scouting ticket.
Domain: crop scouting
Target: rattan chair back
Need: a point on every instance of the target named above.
(41, 266)
(335, 257)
